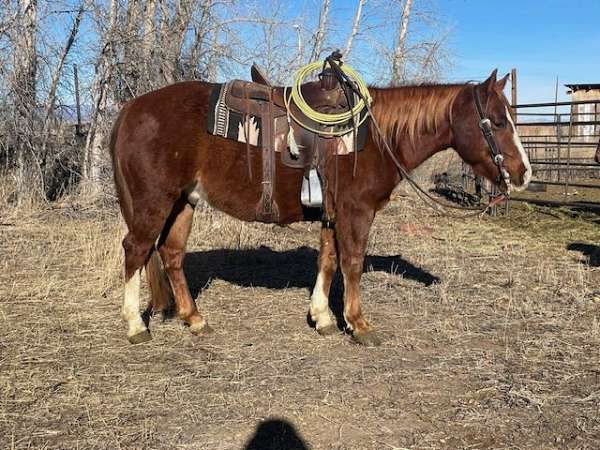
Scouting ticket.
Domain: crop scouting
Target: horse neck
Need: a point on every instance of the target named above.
(415, 120)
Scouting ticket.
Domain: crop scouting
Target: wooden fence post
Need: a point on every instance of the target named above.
(513, 93)
(77, 104)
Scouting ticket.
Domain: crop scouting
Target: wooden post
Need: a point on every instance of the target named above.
(77, 104)
(513, 111)
(558, 146)
(568, 175)
(513, 93)
(558, 119)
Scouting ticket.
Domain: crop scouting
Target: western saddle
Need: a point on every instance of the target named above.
(258, 102)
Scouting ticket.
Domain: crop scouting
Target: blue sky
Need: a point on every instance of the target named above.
(542, 39)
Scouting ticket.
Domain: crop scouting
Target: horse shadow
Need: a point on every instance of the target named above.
(591, 251)
(271, 269)
(276, 434)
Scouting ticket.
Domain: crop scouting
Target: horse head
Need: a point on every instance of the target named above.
(486, 137)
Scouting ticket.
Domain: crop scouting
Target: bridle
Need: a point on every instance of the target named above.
(485, 125)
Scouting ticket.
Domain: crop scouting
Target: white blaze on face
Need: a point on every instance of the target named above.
(524, 158)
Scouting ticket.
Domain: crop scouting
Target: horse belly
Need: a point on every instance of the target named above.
(233, 188)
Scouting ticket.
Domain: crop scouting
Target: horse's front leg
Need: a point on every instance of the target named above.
(319, 300)
(352, 233)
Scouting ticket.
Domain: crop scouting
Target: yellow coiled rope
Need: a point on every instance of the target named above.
(324, 118)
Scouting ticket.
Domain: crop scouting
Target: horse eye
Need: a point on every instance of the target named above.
(500, 123)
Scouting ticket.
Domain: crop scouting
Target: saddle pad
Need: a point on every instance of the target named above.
(230, 124)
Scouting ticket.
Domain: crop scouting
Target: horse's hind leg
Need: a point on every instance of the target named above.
(144, 229)
(136, 253)
(319, 300)
(172, 251)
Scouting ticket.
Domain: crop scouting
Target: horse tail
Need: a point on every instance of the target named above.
(125, 201)
(161, 293)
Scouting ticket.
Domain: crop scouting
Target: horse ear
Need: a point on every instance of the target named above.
(502, 83)
(490, 83)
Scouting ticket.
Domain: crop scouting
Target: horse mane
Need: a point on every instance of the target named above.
(413, 109)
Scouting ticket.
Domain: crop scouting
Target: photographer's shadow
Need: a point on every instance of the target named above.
(276, 434)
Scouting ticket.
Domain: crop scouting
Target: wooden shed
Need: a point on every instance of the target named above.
(585, 112)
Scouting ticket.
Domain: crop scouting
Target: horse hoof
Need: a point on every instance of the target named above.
(368, 338)
(328, 330)
(201, 329)
(140, 338)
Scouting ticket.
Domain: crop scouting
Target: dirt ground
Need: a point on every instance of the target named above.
(491, 326)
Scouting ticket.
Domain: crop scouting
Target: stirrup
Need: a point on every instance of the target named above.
(312, 190)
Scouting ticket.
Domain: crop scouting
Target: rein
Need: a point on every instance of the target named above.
(426, 196)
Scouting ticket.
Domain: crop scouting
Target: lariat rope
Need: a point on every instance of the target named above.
(328, 119)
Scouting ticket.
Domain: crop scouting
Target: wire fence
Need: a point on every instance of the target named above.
(560, 139)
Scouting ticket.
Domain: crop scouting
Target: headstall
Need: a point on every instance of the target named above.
(485, 124)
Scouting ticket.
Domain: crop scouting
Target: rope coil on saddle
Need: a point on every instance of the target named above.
(348, 75)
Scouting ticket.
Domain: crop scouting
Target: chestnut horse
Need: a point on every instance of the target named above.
(598, 153)
(164, 161)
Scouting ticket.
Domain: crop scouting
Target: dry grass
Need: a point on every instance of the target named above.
(501, 351)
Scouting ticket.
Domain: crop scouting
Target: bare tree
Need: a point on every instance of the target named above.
(355, 27)
(149, 35)
(173, 31)
(25, 77)
(321, 30)
(51, 99)
(151, 49)
(299, 42)
(399, 51)
(432, 59)
(100, 88)
(199, 48)
(130, 42)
